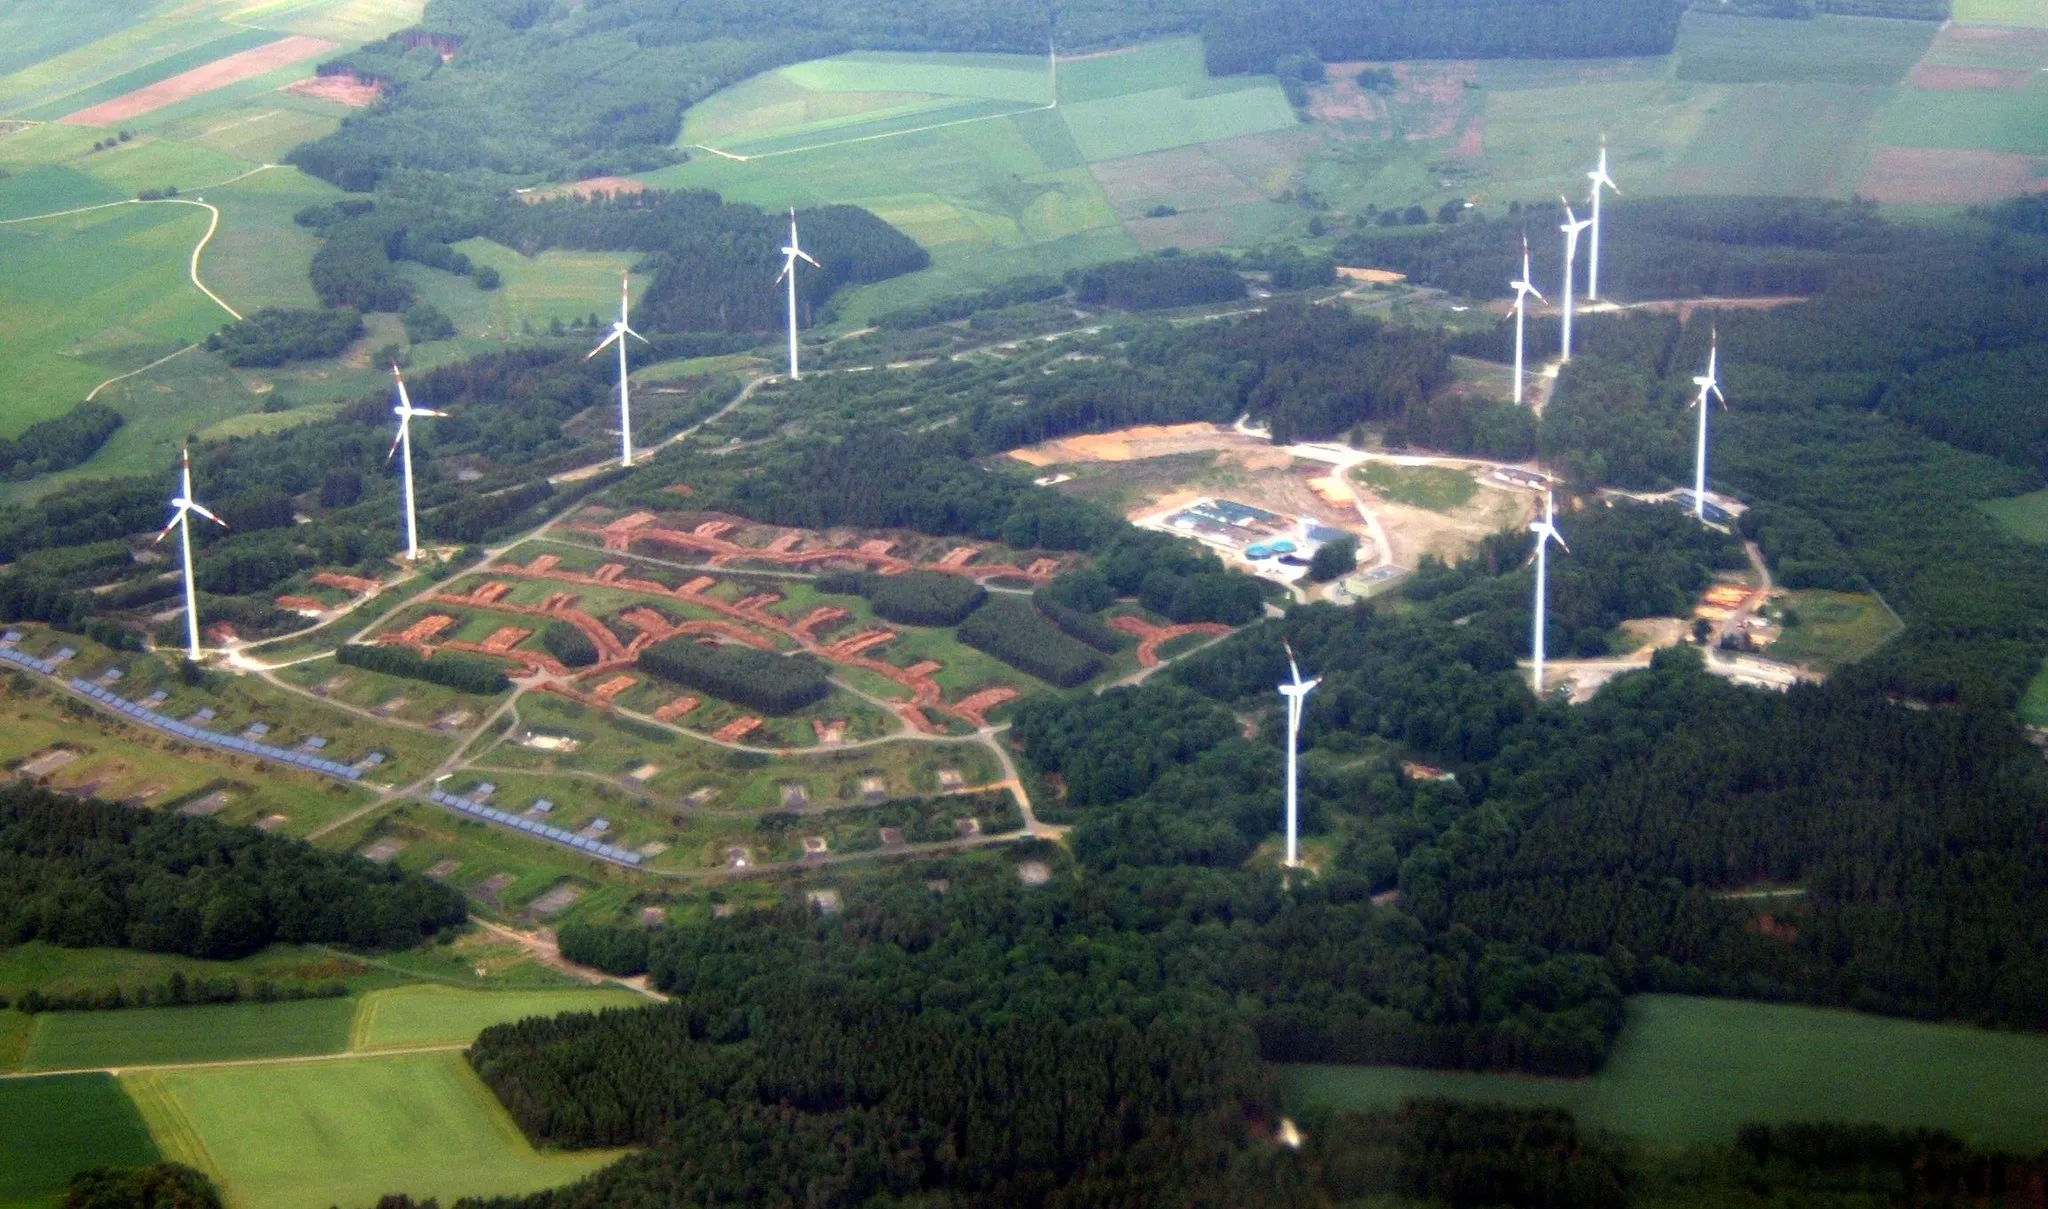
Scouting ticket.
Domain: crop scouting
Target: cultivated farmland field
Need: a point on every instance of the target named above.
(61, 1125)
(1689, 1071)
(435, 1015)
(310, 1135)
(216, 1033)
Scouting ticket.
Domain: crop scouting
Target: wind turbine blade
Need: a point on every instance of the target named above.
(201, 510)
(602, 345)
(1716, 388)
(396, 438)
(176, 516)
(637, 336)
(403, 399)
(809, 257)
(421, 411)
(1539, 295)
(787, 265)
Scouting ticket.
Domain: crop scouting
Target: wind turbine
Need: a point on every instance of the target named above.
(405, 411)
(1709, 384)
(182, 508)
(619, 333)
(1571, 228)
(1523, 288)
(1546, 532)
(1297, 696)
(1599, 178)
(792, 253)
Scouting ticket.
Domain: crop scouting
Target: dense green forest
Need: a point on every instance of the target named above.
(84, 873)
(763, 680)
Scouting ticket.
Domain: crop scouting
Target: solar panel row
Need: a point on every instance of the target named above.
(151, 718)
(541, 830)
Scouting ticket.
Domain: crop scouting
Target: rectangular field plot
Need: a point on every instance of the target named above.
(2015, 122)
(1827, 49)
(2022, 516)
(1022, 78)
(315, 1134)
(1781, 140)
(59, 1126)
(1835, 629)
(219, 1033)
(437, 1015)
(50, 189)
(1164, 118)
(1691, 1071)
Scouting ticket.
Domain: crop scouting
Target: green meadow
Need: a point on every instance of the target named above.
(61, 1125)
(214, 1033)
(1691, 1071)
(1835, 628)
(310, 1135)
(398, 1017)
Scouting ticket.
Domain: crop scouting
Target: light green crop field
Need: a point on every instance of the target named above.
(51, 968)
(2001, 12)
(1970, 121)
(1692, 1070)
(214, 1033)
(399, 1017)
(1781, 140)
(1835, 628)
(1826, 50)
(59, 1126)
(310, 1135)
(536, 290)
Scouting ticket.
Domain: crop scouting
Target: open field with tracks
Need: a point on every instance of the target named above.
(1692, 1070)
(315, 1134)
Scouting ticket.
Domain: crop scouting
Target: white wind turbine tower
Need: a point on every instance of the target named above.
(1571, 228)
(1600, 179)
(405, 411)
(1523, 288)
(790, 255)
(182, 508)
(619, 333)
(1709, 384)
(1297, 697)
(1546, 532)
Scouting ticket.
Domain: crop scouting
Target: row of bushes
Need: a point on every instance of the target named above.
(175, 991)
(1018, 634)
(462, 673)
(1086, 627)
(927, 598)
(759, 680)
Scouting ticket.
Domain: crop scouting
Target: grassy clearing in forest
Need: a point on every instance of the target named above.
(1835, 628)
(1688, 1071)
(399, 1017)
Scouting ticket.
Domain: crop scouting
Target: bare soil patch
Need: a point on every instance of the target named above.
(1342, 100)
(220, 73)
(1131, 444)
(1970, 79)
(596, 186)
(345, 89)
(1937, 176)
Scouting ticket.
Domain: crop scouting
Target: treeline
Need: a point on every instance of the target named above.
(59, 443)
(1153, 282)
(1014, 292)
(762, 680)
(1254, 37)
(176, 990)
(1653, 248)
(273, 336)
(83, 874)
(463, 673)
(158, 1186)
(927, 598)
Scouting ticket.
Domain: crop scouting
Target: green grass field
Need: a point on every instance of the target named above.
(1691, 1070)
(62, 1125)
(1835, 629)
(1968, 121)
(1826, 50)
(153, 1036)
(1437, 488)
(2022, 516)
(436, 1015)
(2034, 704)
(2002, 12)
(316, 1134)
